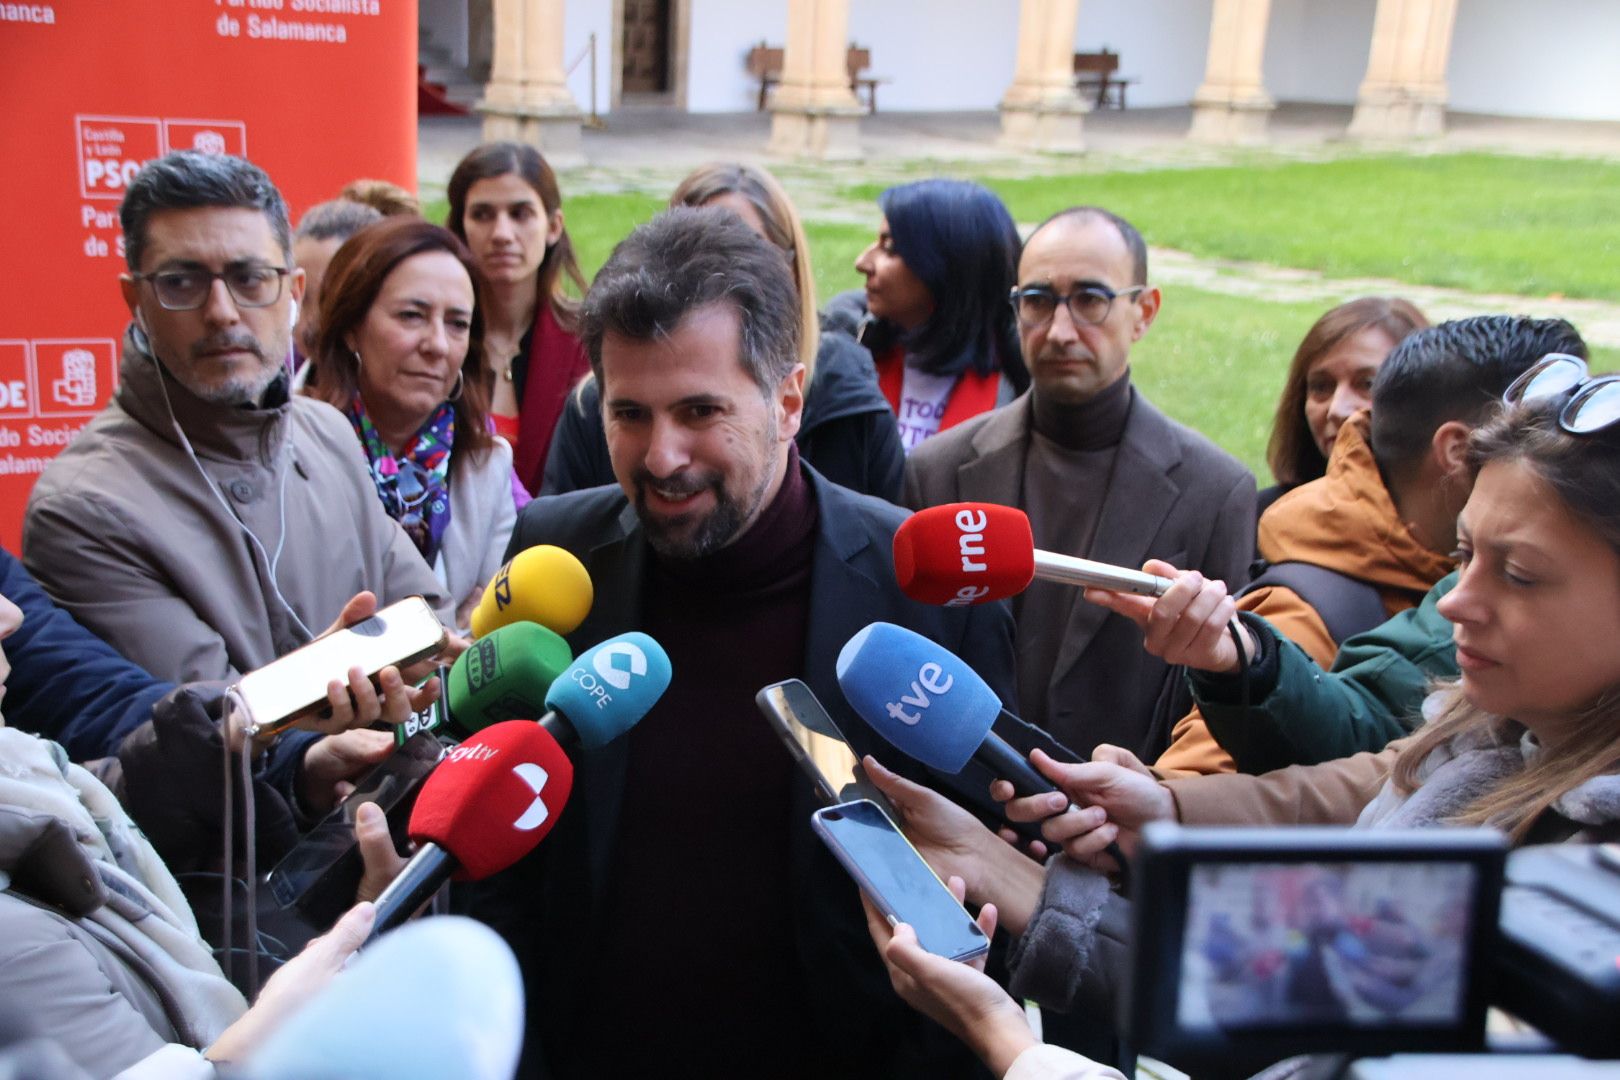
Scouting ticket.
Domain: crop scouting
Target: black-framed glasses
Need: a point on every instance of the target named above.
(1592, 404)
(250, 285)
(1090, 304)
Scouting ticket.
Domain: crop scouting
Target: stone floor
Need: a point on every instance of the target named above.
(664, 140)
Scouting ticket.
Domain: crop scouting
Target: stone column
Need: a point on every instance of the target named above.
(1404, 93)
(527, 96)
(814, 113)
(1041, 110)
(1232, 105)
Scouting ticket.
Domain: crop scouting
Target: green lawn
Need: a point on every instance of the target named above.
(1216, 362)
(1482, 222)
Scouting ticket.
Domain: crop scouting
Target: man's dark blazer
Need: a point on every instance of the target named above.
(547, 906)
(1174, 496)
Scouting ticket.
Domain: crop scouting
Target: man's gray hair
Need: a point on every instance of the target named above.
(335, 219)
(186, 180)
(688, 258)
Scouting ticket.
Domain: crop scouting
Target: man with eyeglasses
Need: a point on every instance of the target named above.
(206, 522)
(1101, 474)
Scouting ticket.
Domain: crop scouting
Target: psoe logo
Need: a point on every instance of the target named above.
(112, 150)
(74, 377)
(607, 664)
(206, 136)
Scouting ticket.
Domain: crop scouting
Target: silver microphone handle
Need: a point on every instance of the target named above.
(1070, 570)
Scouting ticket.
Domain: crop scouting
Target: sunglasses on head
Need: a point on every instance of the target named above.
(1591, 404)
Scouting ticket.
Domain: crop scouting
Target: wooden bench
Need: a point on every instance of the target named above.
(1095, 73)
(765, 64)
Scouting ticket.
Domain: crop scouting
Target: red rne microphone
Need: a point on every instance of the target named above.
(488, 803)
(972, 553)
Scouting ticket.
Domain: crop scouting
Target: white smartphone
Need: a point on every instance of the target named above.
(897, 880)
(293, 687)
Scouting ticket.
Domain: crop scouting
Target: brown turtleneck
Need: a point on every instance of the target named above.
(701, 873)
(1067, 468)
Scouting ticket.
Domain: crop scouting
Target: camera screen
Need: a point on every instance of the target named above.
(1326, 944)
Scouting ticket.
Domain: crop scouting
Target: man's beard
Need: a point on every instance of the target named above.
(675, 539)
(240, 389)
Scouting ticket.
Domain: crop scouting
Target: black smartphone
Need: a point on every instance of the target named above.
(814, 741)
(897, 880)
(319, 875)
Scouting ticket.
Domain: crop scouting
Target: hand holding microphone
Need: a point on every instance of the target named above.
(1113, 796)
(1191, 624)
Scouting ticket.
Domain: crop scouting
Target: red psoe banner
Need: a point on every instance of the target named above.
(317, 92)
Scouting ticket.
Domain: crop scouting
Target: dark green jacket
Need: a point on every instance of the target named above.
(1301, 715)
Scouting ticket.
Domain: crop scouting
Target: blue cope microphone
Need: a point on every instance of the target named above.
(931, 706)
(606, 691)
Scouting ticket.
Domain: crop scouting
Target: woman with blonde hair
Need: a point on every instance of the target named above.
(1526, 740)
(848, 433)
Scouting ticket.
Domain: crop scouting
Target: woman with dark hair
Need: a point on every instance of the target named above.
(847, 432)
(937, 319)
(1330, 379)
(506, 207)
(399, 353)
(1526, 740)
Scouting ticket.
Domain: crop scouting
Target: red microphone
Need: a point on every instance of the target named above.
(972, 553)
(486, 805)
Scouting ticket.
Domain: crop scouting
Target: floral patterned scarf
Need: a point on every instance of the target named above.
(414, 488)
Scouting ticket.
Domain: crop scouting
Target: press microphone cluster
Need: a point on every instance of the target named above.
(972, 553)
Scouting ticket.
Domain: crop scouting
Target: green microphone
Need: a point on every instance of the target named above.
(505, 675)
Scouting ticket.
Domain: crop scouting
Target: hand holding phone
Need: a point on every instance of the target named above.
(293, 688)
(896, 879)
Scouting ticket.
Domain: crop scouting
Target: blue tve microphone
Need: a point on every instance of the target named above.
(931, 706)
(607, 690)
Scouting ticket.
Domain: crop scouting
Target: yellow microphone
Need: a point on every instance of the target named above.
(543, 584)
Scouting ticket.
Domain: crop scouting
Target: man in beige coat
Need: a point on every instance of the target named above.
(206, 522)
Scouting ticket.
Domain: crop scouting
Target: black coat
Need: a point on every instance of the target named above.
(548, 906)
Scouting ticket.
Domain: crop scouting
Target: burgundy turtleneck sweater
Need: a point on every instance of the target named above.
(698, 959)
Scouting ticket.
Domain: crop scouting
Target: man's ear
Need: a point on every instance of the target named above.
(131, 289)
(790, 403)
(1147, 309)
(1449, 449)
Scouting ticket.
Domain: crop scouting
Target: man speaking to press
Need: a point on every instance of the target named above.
(683, 917)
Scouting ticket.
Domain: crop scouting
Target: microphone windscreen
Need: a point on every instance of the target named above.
(916, 694)
(964, 553)
(611, 687)
(494, 797)
(476, 1030)
(505, 675)
(542, 584)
